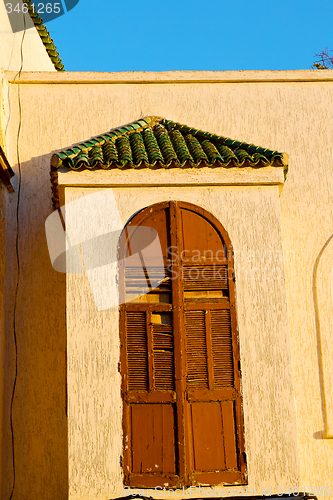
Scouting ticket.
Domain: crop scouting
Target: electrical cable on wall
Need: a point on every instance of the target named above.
(17, 255)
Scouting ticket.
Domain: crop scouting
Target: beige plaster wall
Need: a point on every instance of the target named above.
(287, 111)
(34, 55)
(2, 306)
(39, 406)
(251, 215)
(3, 193)
(323, 300)
(1, 110)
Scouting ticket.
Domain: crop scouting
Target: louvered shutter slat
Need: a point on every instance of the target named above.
(137, 353)
(205, 277)
(163, 357)
(141, 282)
(196, 350)
(222, 348)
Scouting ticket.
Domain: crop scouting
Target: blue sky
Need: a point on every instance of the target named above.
(162, 35)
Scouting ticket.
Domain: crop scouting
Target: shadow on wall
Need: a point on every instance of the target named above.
(39, 467)
(322, 284)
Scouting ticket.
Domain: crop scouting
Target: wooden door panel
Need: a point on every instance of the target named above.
(180, 360)
(208, 444)
(208, 244)
(230, 446)
(153, 438)
(228, 393)
(214, 439)
(225, 477)
(131, 241)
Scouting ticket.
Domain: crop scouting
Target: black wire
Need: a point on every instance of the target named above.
(17, 256)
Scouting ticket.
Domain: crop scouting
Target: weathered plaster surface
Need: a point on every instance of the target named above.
(289, 112)
(34, 56)
(39, 407)
(1, 109)
(179, 77)
(251, 216)
(323, 302)
(2, 307)
(180, 177)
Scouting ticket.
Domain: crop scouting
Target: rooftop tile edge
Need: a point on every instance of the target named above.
(65, 157)
(44, 34)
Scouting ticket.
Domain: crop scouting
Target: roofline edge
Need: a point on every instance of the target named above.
(45, 36)
(169, 77)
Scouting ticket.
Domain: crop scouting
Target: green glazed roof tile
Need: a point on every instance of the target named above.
(95, 156)
(50, 47)
(212, 153)
(166, 147)
(110, 153)
(154, 142)
(138, 148)
(124, 150)
(152, 148)
(242, 155)
(195, 149)
(226, 153)
(180, 147)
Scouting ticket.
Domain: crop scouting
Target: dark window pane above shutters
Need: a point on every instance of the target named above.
(137, 282)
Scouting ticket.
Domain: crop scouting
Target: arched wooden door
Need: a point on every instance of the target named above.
(180, 365)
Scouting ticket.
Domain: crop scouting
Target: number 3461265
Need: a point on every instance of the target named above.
(39, 8)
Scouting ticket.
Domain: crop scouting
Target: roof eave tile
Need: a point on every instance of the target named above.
(49, 45)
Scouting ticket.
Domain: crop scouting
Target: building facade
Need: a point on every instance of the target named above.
(64, 419)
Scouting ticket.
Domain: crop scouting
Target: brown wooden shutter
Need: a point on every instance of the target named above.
(196, 350)
(163, 356)
(211, 353)
(223, 364)
(150, 446)
(180, 364)
(137, 352)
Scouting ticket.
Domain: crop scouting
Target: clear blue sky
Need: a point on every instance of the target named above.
(159, 35)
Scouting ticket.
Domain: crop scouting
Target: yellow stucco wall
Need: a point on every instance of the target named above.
(93, 345)
(1, 111)
(32, 57)
(2, 304)
(39, 407)
(287, 111)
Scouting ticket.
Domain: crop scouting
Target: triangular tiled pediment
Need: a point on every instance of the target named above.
(154, 142)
